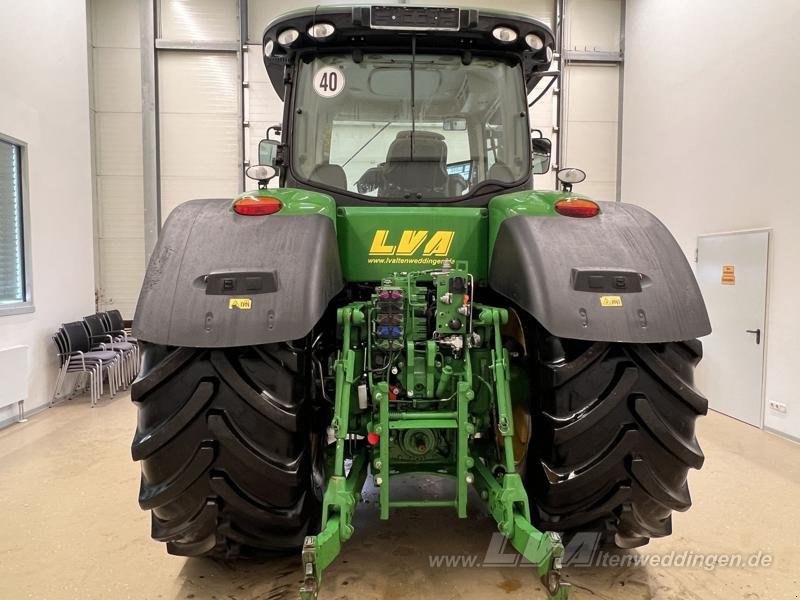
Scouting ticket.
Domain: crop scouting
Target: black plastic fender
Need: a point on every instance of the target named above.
(619, 276)
(218, 279)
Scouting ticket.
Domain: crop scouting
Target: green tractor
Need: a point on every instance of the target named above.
(406, 302)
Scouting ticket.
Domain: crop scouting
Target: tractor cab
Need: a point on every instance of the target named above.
(402, 104)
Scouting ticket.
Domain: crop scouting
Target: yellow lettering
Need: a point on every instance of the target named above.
(379, 245)
(410, 242)
(439, 244)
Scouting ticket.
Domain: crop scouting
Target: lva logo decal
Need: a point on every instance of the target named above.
(411, 241)
(411, 246)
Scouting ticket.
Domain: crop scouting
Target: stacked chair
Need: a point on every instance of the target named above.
(97, 348)
(102, 336)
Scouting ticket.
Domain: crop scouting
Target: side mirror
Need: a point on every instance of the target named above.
(267, 152)
(540, 154)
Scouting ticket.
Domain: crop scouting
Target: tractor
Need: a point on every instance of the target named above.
(395, 297)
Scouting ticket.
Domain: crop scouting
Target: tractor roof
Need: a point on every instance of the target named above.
(391, 28)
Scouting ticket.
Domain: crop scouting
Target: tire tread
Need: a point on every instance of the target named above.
(613, 428)
(223, 438)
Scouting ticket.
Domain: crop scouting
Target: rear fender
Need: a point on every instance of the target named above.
(219, 279)
(619, 276)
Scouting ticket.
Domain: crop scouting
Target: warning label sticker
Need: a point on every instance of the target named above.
(728, 275)
(610, 301)
(240, 303)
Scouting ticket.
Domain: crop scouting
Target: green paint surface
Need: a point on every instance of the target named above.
(375, 242)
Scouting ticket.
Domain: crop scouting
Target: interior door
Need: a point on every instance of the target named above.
(732, 272)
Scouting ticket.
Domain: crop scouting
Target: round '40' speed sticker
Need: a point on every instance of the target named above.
(328, 82)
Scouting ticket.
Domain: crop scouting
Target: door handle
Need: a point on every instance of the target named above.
(757, 332)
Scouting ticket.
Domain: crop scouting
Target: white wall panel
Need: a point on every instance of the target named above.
(594, 93)
(115, 23)
(599, 190)
(255, 69)
(200, 126)
(200, 20)
(44, 100)
(200, 145)
(593, 25)
(198, 82)
(117, 131)
(592, 146)
(265, 105)
(119, 207)
(543, 118)
(177, 190)
(592, 126)
(123, 271)
(117, 77)
(118, 143)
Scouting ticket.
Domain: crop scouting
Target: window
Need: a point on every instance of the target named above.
(366, 128)
(14, 288)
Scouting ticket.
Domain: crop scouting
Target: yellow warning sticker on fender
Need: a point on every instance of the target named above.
(240, 303)
(609, 301)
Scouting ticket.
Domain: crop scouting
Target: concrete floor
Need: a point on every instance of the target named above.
(71, 528)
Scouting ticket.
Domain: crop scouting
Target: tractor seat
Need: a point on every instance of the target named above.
(330, 175)
(424, 171)
(501, 172)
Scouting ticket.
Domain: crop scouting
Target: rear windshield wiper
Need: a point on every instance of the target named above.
(381, 130)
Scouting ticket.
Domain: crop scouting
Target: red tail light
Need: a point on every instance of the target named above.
(257, 205)
(577, 207)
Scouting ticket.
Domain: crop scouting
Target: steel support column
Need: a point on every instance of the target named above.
(151, 188)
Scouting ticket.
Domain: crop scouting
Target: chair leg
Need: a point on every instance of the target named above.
(112, 381)
(93, 385)
(126, 370)
(118, 375)
(98, 380)
(59, 381)
(80, 383)
(76, 388)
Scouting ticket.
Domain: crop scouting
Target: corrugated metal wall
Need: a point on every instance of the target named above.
(592, 94)
(117, 108)
(199, 96)
(199, 126)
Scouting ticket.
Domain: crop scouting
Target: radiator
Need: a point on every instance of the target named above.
(14, 377)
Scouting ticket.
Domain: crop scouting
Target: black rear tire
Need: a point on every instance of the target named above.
(613, 436)
(227, 449)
